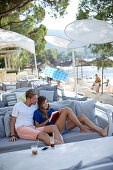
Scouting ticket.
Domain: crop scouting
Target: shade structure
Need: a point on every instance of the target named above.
(64, 43)
(57, 41)
(13, 39)
(90, 31)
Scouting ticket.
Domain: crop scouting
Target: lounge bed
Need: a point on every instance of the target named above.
(92, 109)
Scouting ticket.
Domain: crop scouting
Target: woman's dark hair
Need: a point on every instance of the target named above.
(41, 100)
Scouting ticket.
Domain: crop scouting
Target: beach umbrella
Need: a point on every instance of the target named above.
(67, 44)
(90, 31)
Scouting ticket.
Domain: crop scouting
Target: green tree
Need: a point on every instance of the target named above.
(98, 9)
(10, 6)
(101, 10)
(25, 16)
(2, 63)
(51, 55)
(25, 59)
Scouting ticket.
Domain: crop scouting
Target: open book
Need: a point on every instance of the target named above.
(54, 116)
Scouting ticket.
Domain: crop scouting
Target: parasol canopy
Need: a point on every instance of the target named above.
(63, 43)
(90, 31)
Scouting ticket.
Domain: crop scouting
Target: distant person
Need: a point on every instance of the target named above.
(58, 83)
(107, 83)
(98, 82)
(49, 79)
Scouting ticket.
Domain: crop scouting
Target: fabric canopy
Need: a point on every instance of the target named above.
(57, 41)
(13, 39)
(63, 43)
(90, 31)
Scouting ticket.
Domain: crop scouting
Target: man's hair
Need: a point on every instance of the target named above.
(30, 93)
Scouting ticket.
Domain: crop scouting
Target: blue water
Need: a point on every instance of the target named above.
(90, 71)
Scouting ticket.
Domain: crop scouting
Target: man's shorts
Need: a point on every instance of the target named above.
(29, 132)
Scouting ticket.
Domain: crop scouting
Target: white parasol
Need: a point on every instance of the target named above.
(90, 31)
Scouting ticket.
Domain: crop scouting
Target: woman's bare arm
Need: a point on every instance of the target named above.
(42, 124)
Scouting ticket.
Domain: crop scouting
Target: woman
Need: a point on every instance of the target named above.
(98, 81)
(42, 115)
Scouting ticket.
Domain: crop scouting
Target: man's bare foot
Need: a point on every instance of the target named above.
(86, 130)
(105, 131)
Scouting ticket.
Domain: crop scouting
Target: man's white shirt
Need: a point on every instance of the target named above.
(23, 114)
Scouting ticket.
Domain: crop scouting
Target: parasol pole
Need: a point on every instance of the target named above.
(36, 65)
(75, 75)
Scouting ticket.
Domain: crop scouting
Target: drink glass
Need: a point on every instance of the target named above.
(34, 149)
(52, 141)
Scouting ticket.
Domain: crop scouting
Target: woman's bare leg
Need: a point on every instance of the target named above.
(97, 89)
(68, 113)
(90, 124)
(71, 125)
(57, 136)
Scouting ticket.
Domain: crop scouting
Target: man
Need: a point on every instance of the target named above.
(22, 122)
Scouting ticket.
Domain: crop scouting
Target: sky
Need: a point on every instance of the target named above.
(61, 23)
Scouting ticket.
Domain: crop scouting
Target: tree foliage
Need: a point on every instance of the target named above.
(25, 16)
(98, 9)
(9, 6)
(2, 63)
(103, 62)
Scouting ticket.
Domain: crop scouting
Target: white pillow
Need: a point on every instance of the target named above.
(20, 96)
(48, 94)
(87, 108)
(7, 119)
(11, 99)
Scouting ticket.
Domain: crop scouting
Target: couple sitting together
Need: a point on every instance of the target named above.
(32, 123)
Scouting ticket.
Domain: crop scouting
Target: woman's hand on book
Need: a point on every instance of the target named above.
(48, 120)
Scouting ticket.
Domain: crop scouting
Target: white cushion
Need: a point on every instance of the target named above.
(48, 94)
(87, 108)
(11, 99)
(2, 129)
(7, 119)
(63, 104)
